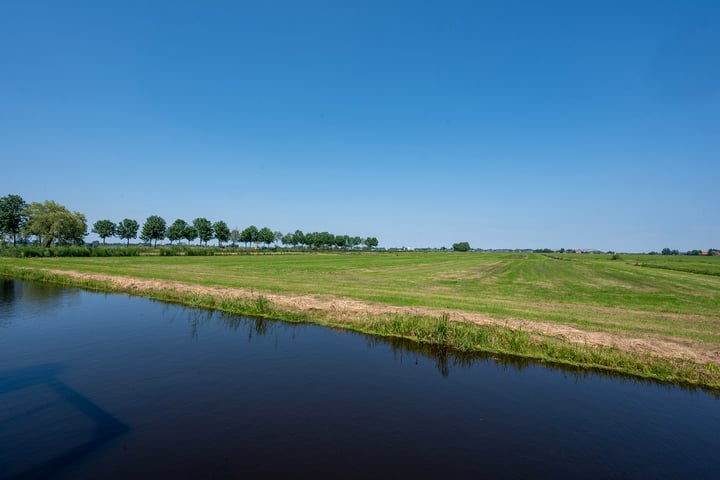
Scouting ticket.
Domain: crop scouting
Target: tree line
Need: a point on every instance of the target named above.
(53, 224)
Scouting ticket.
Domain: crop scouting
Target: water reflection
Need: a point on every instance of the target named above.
(445, 359)
(204, 402)
(41, 298)
(7, 301)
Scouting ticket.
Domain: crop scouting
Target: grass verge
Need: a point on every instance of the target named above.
(439, 331)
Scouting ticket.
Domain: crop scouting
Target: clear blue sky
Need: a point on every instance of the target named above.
(583, 124)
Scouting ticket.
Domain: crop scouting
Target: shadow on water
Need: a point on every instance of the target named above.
(29, 413)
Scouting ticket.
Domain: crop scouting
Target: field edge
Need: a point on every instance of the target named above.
(438, 330)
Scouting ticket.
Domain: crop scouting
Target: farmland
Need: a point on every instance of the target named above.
(636, 306)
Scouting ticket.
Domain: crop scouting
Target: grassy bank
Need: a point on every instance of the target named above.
(594, 294)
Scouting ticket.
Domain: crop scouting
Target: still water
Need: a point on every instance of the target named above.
(109, 386)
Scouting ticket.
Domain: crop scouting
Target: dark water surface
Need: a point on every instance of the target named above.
(96, 386)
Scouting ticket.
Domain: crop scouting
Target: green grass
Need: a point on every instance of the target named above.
(672, 298)
(590, 291)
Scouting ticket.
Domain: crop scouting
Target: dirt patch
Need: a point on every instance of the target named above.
(346, 310)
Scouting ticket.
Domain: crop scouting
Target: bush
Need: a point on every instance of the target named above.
(69, 251)
(461, 247)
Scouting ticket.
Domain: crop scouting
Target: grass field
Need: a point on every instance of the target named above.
(675, 300)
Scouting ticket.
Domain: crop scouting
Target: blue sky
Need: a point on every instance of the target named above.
(507, 124)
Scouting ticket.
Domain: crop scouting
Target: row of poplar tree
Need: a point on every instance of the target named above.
(51, 223)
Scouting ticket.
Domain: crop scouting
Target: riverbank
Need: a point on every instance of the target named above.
(668, 360)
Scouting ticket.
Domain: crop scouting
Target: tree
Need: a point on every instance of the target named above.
(371, 242)
(154, 229)
(266, 236)
(128, 229)
(312, 239)
(298, 238)
(288, 239)
(104, 229)
(277, 236)
(235, 236)
(190, 233)
(51, 222)
(204, 229)
(342, 241)
(326, 239)
(12, 216)
(461, 247)
(249, 235)
(222, 232)
(176, 231)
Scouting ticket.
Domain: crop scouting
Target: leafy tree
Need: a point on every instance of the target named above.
(356, 241)
(176, 231)
(461, 247)
(235, 236)
(371, 242)
(104, 229)
(277, 236)
(190, 233)
(51, 222)
(342, 241)
(222, 232)
(326, 239)
(298, 238)
(312, 239)
(266, 236)
(154, 229)
(204, 229)
(288, 239)
(249, 235)
(127, 229)
(12, 216)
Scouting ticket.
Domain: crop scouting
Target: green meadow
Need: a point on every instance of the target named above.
(657, 298)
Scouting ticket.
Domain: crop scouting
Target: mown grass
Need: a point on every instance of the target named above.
(590, 292)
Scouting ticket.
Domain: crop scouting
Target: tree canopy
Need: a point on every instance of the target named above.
(176, 231)
(127, 229)
(190, 233)
(371, 242)
(222, 232)
(12, 216)
(49, 223)
(249, 235)
(461, 247)
(52, 223)
(235, 236)
(104, 229)
(266, 236)
(153, 229)
(204, 229)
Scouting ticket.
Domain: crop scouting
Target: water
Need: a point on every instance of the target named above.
(109, 386)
